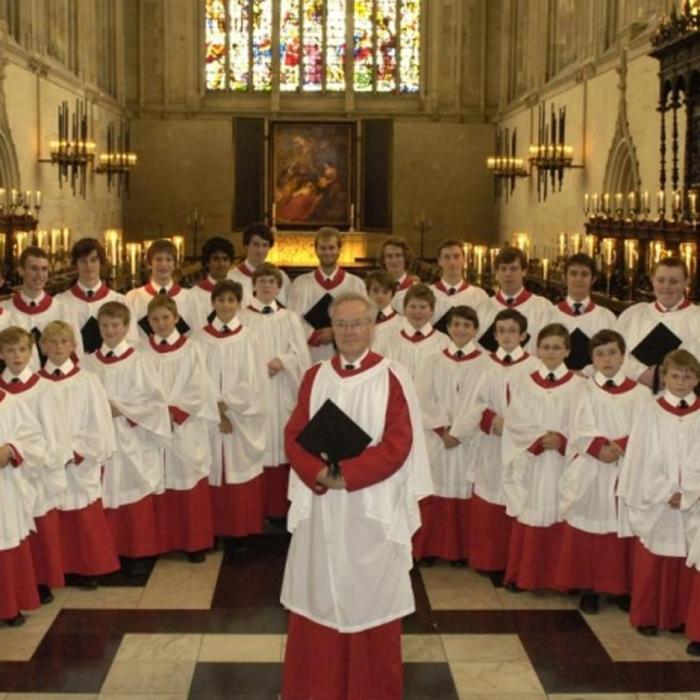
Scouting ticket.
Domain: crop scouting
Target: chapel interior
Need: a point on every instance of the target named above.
(558, 126)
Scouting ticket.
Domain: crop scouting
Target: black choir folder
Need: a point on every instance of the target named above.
(317, 316)
(333, 436)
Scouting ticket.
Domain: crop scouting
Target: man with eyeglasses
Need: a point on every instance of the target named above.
(346, 582)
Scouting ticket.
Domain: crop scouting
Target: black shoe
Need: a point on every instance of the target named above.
(648, 631)
(678, 629)
(87, 583)
(427, 562)
(237, 545)
(513, 588)
(45, 595)
(196, 557)
(135, 567)
(278, 523)
(693, 648)
(459, 563)
(589, 603)
(622, 602)
(497, 578)
(16, 621)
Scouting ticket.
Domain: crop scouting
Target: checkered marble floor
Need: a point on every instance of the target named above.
(216, 630)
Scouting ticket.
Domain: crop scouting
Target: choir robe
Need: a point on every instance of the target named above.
(84, 308)
(88, 549)
(138, 299)
(238, 371)
(133, 474)
(595, 554)
(403, 284)
(281, 335)
(346, 580)
(451, 379)
(19, 429)
(582, 328)
(463, 294)
(663, 331)
(388, 322)
(307, 290)
(200, 302)
(35, 318)
(662, 459)
(183, 503)
(490, 525)
(536, 309)
(49, 481)
(531, 474)
(411, 350)
(243, 274)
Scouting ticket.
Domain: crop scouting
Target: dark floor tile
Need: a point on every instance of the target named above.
(660, 677)
(421, 621)
(248, 620)
(222, 680)
(10, 671)
(62, 676)
(539, 621)
(474, 621)
(119, 622)
(432, 681)
(564, 647)
(585, 678)
(99, 646)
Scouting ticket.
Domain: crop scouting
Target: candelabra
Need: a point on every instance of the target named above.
(16, 224)
(118, 161)
(505, 166)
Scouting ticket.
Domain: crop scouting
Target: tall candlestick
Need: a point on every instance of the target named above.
(693, 204)
(677, 203)
(586, 203)
(631, 254)
(606, 203)
(545, 269)
(619, 199)
(112, 241)
(65, 238)
(37, 199)
(133, 251)
(646, 207)
(609, 251)
(595, 204)
(562, 243)
(55, 240)
(632, 202)
(13, 197)
(589, 245)
(661, 203)
(575, 239)
(274, 213)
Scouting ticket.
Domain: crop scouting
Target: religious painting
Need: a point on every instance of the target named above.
(312, 174)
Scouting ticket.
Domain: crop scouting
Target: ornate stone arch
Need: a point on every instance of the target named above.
(622, 168)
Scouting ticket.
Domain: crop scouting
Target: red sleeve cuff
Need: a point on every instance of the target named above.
(131, 423)
(487, 418)
(178, 415)
(77, 458)
(439, 431)
(564, 443)
(622, 442)
(597, 444)
(15, 456)
(314, 339)
(536, 448)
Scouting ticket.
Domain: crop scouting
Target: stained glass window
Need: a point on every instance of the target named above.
(312, 39)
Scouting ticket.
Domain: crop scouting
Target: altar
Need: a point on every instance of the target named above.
(296, 249)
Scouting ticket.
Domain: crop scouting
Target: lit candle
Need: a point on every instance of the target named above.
(179, 242)
(632, 202)
(619, 199)
(606, 203)
(586, 203)
(609, 251)
(21, 241)
(480, 252)
(3, 244)
(589, 245)
(677, 204)
(66, 239)
(661, 202)
(112, 241)
(545, 269)
(55, 240)
(493, 254)
(646, 208)
(693, 204)
(631, 254)
(688, 252)
(13, 197)
(42, 239)
(37, 199)
(561, 243)
(595, 203)
(28, 198)
(133, 251)
(2, 196)
(575, 239)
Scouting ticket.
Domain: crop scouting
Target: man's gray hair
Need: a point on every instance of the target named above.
(370, 306)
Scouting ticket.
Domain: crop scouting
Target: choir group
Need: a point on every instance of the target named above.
(562, 441)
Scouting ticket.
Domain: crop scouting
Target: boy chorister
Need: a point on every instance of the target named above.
(395, 257)
(286, 354)
(544, 428)
(452, 289)
(595, 556)
(660, 483)
(381, 289)
(653, 329)
(490, 525)
(217, 258)
(133, 474)
(88, 550)
(415, 340)
(258, 240)
(581, 316)
(161, 258)
(89, 292)
(41, 397)
(325, 282)
(183, 503)
(236, 365)
(32, 307)
(22, 448)
(511, 270)
(451, 379)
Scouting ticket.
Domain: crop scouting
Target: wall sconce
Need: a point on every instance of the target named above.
(72, 151)
(16, 222)
(505, 166)
(118, 161)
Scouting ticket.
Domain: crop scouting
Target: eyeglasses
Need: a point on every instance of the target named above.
(351, 325)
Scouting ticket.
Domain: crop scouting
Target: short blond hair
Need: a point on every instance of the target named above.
(115, 309)
(325, 233)
(682, 359)
(162, 301)
(56, 328)
(13, 335)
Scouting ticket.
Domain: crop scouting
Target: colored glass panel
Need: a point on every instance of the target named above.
(363, 46)
(290, 45)
(261, 36)
(335, 44)
(215, 44)
(385, 27)
(313, 44)
(238, 54)
(410, 46)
